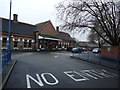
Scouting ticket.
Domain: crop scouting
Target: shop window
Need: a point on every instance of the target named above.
(30, 43)
(25, 43)
(15, 43)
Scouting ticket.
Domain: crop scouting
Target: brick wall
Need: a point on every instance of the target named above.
(20, 43)
(111, 52)
(49, 30)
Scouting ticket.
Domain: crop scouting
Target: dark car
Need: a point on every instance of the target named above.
(77, 50)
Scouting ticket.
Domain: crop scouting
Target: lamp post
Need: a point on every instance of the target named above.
(9, 41)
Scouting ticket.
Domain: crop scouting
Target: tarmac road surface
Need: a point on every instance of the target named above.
(58, 70)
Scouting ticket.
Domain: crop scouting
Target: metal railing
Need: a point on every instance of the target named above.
(5, 59)
(96, 57)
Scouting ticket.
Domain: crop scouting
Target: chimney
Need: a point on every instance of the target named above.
(57, 28)
(15, 17)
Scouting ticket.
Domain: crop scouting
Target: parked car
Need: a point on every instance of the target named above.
(96, 50)
(77, 50)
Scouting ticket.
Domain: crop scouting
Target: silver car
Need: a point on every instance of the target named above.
(96, 50)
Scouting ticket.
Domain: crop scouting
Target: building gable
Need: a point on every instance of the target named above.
(47, 29)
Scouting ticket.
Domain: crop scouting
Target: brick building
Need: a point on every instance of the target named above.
(42, 36)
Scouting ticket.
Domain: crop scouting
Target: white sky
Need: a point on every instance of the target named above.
(33, 11)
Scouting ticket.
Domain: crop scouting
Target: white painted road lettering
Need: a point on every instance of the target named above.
(72, 75)
(82, 75)
(109, 73)
(103, 73)
(47, 82)
(39, 82)
(86, 73)
(93, 73)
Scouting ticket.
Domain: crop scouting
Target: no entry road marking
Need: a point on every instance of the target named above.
(39, 81)
(83, 75)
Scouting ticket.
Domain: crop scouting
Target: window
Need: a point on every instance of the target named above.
(15, 43)
(25, 43)
(42, 46)
(4, 40)
(30, 43)
(65, 46)
(58, 42)
(40, 41)
(59, 46)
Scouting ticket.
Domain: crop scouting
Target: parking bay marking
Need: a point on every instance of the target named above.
(83, 76)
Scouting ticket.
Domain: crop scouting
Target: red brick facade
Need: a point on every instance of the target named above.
(111, 52)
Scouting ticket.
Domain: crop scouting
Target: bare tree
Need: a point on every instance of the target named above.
(78, 14)
(93, 36)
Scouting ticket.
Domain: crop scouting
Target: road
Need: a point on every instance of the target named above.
(58, 70)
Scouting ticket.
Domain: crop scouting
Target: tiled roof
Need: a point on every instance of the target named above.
(41, 25)
(65, 36)
(18, 27)
(28, 29)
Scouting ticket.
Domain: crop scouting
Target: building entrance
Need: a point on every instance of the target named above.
(48, 45)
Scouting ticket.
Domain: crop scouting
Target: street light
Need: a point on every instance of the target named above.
(9, 41)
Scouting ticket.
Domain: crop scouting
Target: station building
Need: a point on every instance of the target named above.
(42, 36)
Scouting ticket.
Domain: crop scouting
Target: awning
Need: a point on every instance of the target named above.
(40, 37)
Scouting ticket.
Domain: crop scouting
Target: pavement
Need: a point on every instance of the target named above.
(6, 72)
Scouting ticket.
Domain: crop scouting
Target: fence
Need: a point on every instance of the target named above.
(5, 58)
(96, 57)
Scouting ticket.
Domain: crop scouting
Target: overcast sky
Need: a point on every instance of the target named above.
(33, 12)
